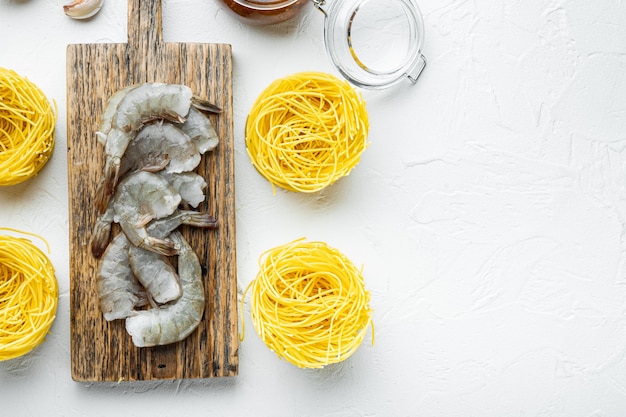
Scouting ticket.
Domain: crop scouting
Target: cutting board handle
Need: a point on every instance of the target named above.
(145, 29)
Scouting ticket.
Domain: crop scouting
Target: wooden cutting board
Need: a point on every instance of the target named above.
(101, 350)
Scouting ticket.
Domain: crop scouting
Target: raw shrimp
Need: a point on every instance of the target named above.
(189, 185)
(154, 271)
(200, 129)
(157, 228)
(173, 322)
(160, 146)
(118, 290)
(140, 105)
(109, 112)
(140, 198)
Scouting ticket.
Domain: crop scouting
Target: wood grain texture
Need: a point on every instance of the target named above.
(101, 350)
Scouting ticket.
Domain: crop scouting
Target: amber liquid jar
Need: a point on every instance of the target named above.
(265, 12)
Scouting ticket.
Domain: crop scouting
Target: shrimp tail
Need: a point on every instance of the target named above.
(111, 175)
(156, 166)
(169, 115)
(140, 237)
(101, 233)
(111, 178)
(101, 200)
(160, 246)
(204, 105)
(202, 220)
(100, 239)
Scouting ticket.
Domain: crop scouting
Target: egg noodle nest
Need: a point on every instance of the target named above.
(27, 123)
(306, 131)
(29, 295)
(309, 304)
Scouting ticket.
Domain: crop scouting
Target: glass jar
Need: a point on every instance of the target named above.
(373, 43)
(265, 12)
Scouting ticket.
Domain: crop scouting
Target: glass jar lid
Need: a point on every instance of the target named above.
(265, 12)
(374, 43)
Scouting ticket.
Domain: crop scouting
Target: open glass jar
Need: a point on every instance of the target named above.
(373, 43)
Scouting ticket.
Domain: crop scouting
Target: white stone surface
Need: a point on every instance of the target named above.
(488, 212)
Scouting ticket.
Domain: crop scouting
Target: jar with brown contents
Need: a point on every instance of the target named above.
(265, 11)
(373, 43)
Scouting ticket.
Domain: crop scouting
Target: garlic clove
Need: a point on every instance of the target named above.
(83, 9)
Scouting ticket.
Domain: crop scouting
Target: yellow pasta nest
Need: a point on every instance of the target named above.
(309, 304)
(28, 295)
(307, 130)
(27, 122)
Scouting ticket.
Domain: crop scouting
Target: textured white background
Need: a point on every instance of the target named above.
(488, 212)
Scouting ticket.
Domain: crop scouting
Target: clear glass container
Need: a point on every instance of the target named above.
(373, 43)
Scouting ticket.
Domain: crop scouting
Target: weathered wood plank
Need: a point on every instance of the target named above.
(103, 351)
